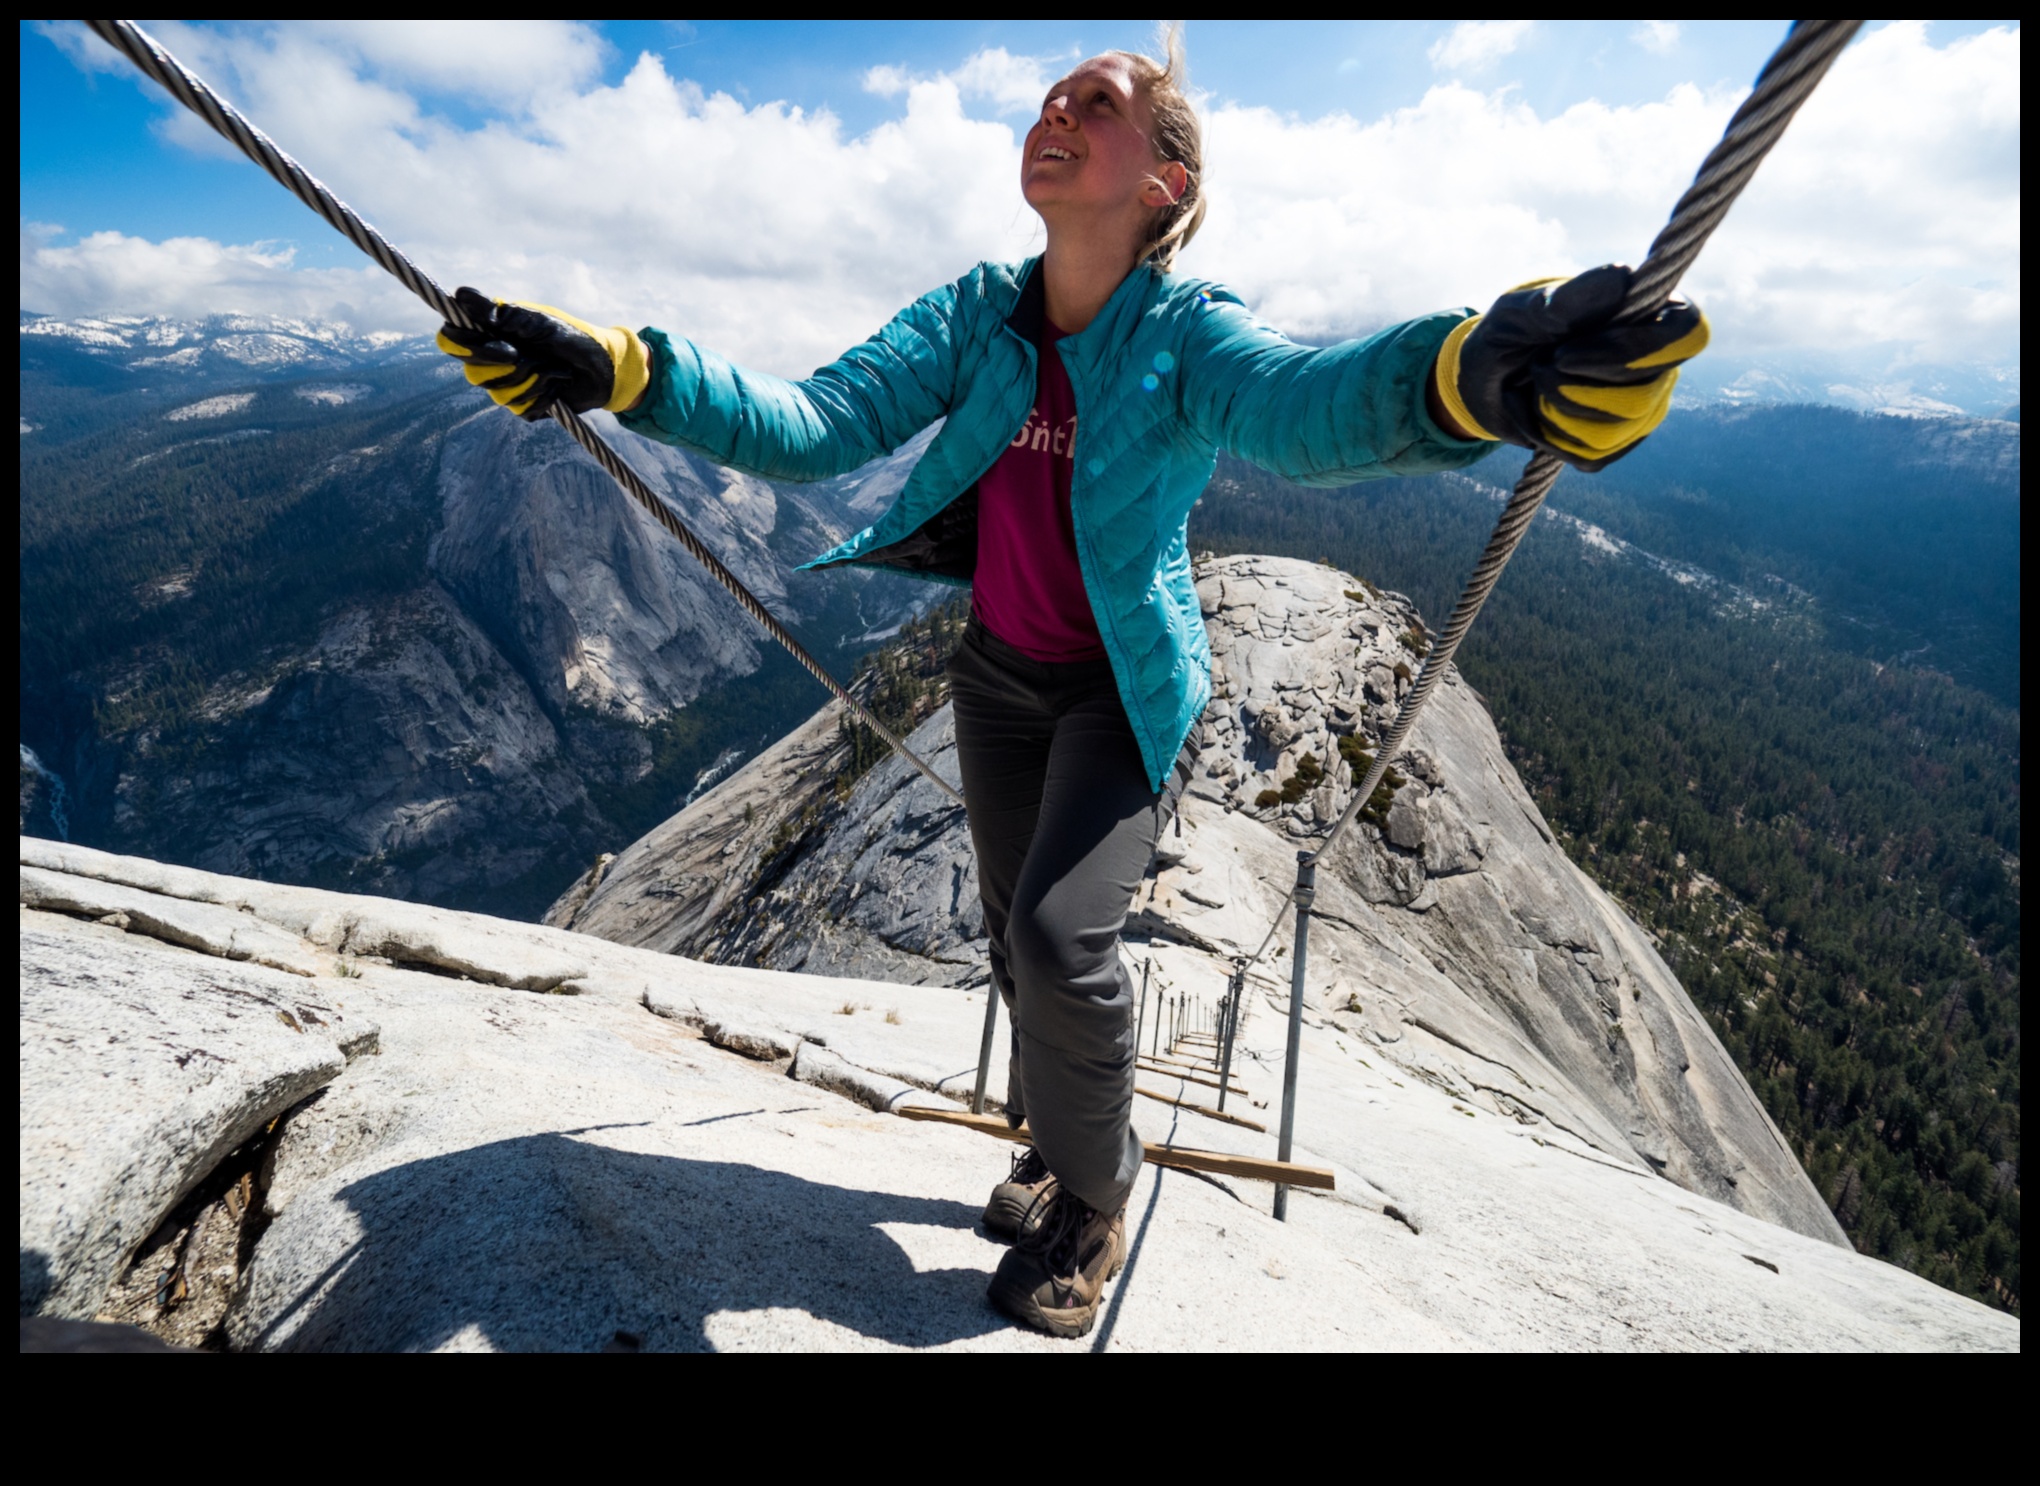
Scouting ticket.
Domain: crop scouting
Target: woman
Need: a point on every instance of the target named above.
(1086, 393)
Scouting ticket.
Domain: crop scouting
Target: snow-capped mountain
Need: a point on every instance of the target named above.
(1897, 391)
(245, 343)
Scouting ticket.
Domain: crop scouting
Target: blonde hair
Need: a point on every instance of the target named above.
(1178, 138)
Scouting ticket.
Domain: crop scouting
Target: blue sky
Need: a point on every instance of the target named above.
(90, 158)
(1417, 128)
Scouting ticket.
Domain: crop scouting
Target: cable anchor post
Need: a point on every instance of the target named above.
(977, 1099)
(1146, 968)
(1233, 989)
(1304, 894)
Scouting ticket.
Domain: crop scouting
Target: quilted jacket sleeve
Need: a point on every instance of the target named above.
(864, 404)
(1349, 412)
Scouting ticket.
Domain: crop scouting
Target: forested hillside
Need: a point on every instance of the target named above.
(1826, 847)
(290, 609)
(196, 554)
(1907, 529)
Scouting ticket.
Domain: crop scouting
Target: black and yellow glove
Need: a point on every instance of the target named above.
(530, 356)
(1546, 369)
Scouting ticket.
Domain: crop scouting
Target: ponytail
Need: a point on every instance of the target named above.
(1178, 139)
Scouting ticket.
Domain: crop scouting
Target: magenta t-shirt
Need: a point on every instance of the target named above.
(1029, 591)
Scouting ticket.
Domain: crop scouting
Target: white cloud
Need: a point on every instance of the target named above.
(1658, 37)
(191, 277)
(1473, 45)
(497, 60)
(1010, 84)
(888, 81)
(1888, 217)
(1890, 213)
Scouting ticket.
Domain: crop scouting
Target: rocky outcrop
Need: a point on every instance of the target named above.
(738, 876)
(136, 1080)
(1456, 937)
(660, 1154)
(692, 870)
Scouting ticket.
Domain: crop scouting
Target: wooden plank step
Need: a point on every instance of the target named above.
(1203, 1109)
(1217, 1163)
(1195, 1078)
(1200, 1065)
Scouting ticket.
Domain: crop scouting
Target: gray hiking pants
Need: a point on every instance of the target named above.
(1064, 824)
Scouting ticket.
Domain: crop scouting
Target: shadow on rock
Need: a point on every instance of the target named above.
(35, 1281)
(550, 1243)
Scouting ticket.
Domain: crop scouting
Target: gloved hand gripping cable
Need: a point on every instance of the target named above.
(1549, 367)
(473, 314)
(528, 357)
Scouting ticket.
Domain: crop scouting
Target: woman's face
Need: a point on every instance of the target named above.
(1090, 151)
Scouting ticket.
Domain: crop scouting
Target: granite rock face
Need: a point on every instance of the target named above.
(884, 888)
(1459, 939)
(662, 1154)
(582, 593)
(137, 1078)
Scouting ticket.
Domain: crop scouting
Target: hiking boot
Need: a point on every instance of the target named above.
(1052, 1279)
(1019, 1201)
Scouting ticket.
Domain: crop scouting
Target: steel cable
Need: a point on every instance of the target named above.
(1788, 79)
(187, 88)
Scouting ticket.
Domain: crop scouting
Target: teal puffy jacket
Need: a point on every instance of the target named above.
(1170, 372)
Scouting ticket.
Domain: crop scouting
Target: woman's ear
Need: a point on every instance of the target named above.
(1166, 184)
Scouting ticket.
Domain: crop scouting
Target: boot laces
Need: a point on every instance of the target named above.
(1028, 1168)
(1061, 1228)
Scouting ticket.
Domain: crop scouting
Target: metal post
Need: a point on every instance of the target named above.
(977, 1100)
(1232, 1022)
(1140, 1021)
(1306, 891)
